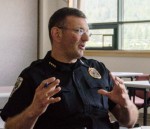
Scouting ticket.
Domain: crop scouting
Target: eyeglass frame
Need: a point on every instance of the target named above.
(79, 31)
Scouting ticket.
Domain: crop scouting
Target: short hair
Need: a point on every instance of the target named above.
(58, 18)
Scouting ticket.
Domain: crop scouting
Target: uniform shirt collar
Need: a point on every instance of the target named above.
(60, 65)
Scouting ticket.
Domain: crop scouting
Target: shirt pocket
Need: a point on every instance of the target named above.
(70, 100)
(93, 85)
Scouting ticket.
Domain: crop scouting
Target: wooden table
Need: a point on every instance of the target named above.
(142, 127)
(142, 85)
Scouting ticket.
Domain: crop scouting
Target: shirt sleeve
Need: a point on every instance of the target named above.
(20, 98)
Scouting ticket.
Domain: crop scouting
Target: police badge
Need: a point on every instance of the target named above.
(94, 73)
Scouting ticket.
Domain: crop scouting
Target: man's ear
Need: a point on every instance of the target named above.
(56, 33)
(59, 33)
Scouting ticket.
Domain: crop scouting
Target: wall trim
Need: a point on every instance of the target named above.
(118, 53)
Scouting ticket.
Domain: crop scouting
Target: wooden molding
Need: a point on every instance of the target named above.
(117, 53)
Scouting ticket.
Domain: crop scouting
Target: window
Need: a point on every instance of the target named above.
(118, 24)
(102, 37)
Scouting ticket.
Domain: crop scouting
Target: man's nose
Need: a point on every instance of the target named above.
(85, 37)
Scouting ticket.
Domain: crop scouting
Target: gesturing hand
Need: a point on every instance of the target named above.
(44, 95)
(119, 93)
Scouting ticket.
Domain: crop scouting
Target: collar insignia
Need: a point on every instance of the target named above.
(53, 65)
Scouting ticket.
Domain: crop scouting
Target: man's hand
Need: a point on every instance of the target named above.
(44, 95)
(119, 94)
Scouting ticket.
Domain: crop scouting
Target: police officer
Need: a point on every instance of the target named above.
(65, 90)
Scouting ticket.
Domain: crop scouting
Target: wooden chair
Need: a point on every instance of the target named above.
(138, 96)
(138, 99)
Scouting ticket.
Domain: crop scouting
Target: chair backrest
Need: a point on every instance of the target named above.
(142, 77)
(140, 93)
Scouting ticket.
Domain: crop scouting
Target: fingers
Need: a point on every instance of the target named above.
(51, 92)
(119, 84)
(116, 79)
(112, 76)
(103, 92)
(48, 88)
(46, 83)
(53, 100)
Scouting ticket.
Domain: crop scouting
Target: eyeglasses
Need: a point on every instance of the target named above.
(79, 31)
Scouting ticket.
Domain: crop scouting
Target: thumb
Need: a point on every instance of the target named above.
(103, 92)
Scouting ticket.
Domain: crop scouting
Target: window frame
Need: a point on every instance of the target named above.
(113, 26)
(118, 41)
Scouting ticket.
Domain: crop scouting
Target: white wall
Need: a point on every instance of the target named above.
(126, 64)
(18, 37)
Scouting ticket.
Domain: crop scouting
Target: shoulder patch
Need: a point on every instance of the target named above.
(17, 84)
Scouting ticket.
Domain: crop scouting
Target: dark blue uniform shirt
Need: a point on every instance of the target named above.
(80, 105)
